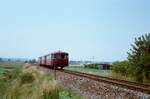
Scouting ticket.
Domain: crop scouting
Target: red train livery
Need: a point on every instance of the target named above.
(54, 60)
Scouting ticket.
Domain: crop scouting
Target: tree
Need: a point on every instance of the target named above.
(139, 58)
(1, 59)
(32, 61)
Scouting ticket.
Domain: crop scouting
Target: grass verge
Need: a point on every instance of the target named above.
(89, 70)
(27, 82)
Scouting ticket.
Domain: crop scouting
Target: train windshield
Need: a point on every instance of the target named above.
(54, 56)
(59, 56)
(64, 56)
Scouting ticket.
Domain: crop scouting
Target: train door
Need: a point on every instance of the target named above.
(40, 60)
(44, 60)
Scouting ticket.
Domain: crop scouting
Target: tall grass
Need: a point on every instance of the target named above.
(30, 83)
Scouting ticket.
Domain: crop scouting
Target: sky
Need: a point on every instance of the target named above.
(99, 30)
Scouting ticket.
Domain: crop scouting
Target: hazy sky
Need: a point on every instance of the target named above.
(104, 29)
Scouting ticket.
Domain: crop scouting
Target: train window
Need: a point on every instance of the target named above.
(66, 56)
(48, 57)
(51, 56)
(62, 56)
(58, 56)
(54, 56)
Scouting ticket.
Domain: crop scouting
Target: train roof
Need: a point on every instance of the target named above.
(59, 52)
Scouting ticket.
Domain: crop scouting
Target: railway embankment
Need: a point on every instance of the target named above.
(19, 81)
(92, 89)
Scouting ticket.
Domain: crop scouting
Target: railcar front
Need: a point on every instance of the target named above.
(59, 59)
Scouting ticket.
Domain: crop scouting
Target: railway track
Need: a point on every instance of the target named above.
(142, 87)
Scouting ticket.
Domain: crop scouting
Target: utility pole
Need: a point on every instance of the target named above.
(93, 58)
(55, 72)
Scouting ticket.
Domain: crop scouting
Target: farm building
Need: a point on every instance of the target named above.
(104, 66)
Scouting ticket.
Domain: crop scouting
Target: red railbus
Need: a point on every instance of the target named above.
(57, 59)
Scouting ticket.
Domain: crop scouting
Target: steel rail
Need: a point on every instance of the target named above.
(142, 87)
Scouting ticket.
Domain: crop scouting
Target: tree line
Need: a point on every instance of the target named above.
(137, 64)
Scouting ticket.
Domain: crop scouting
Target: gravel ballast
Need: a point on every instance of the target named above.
(91, 89)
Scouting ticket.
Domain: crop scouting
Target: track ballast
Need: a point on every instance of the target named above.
(142, 87)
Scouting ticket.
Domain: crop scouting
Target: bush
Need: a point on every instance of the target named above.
(51, 94)
(94, 66)
(26, 78)
(121, 67)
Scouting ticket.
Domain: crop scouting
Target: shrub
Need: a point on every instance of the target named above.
(121, 67)
(26, 78)
(94, 66)
(51, 94)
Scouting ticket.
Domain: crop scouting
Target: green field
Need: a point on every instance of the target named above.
(107, 73)
(6, 67)
(81, 68)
